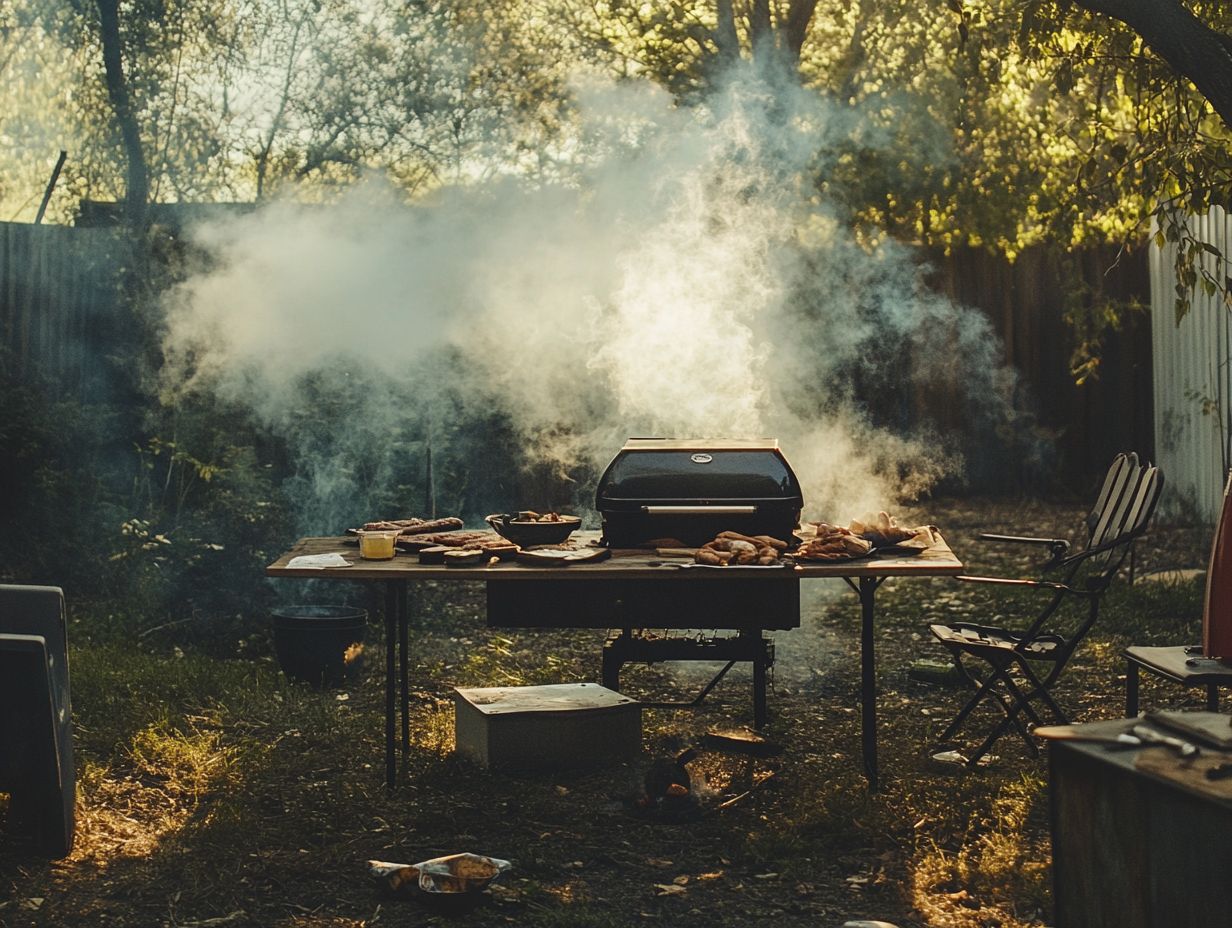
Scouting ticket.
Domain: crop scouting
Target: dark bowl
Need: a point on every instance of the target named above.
(534, 533)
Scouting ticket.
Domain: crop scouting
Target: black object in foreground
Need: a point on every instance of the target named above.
(320, 645)
(36, 718)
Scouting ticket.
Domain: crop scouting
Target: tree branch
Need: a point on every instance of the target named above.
(1192, 48)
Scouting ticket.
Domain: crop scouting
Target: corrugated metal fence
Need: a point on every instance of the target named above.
(58, 294)
(1192, 377)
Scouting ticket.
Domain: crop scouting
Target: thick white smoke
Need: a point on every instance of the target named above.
(687, 282)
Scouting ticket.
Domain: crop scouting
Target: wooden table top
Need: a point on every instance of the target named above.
(630, 563)
(1153, 761)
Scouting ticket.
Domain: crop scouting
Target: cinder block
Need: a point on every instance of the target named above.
(565, 725)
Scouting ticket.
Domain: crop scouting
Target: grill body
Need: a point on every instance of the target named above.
(745, 605)
(656, 489)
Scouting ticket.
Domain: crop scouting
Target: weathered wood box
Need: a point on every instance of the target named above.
(565, 725)
(1140, 838)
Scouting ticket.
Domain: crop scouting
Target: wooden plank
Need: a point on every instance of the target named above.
(1026, 304)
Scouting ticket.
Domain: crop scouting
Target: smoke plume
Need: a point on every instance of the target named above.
(687, 280)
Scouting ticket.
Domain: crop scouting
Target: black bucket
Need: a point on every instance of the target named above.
(320, 645)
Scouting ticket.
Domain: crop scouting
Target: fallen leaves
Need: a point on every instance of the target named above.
(669, 889)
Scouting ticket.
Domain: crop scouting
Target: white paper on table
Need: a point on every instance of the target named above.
(318, 561)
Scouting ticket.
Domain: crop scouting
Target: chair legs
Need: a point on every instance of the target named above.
(1000, 687)
(1131, 693)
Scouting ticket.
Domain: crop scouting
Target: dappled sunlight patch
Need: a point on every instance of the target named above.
(122, 817)
(946, 902)
(128, 811)
(190, 760)
(1100, 650)
(570, 892)
(432, 729)
(1000, 859)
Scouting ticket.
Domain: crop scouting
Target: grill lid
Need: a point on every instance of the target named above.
(692, 489)
(697, 471)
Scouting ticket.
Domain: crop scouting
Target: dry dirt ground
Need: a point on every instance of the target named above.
(212, 793)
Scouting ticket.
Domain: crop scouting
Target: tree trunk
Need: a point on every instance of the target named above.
(795, 26)
(1192, 48)
(725, 38)
(137, 188)
(759, 23)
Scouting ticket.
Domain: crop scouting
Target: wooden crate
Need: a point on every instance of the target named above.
(565, 725)
(1132, 848)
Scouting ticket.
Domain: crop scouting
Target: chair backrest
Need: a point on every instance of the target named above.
(1123, 470)
(1123, 512)
(1127, 508)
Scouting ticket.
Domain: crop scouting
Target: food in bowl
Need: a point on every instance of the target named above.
(532, 528)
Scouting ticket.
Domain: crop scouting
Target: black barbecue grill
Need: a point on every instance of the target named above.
(656, 490)
(663, 492)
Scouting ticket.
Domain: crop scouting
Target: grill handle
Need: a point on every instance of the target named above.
(699, 510)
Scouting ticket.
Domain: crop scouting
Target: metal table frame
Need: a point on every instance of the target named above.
(863, 576)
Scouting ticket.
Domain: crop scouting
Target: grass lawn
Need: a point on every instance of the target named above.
(213, 793)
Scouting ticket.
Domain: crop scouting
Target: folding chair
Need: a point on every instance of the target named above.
(1013, 669)
(36, 725)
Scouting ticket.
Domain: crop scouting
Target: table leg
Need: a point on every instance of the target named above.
(391, 643)
(614, 650)
(1131, 689)
(868, 680)
(403, 649)
(759, 685)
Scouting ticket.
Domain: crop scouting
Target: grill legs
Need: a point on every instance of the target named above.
(636, 646)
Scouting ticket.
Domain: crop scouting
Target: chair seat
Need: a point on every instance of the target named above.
(1182, 665)
(976, 638)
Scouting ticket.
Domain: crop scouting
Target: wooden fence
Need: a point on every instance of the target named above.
(1025, 303)
(58, 303)
(59, 300)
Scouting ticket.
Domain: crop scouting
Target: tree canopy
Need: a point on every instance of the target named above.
(986, 122)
